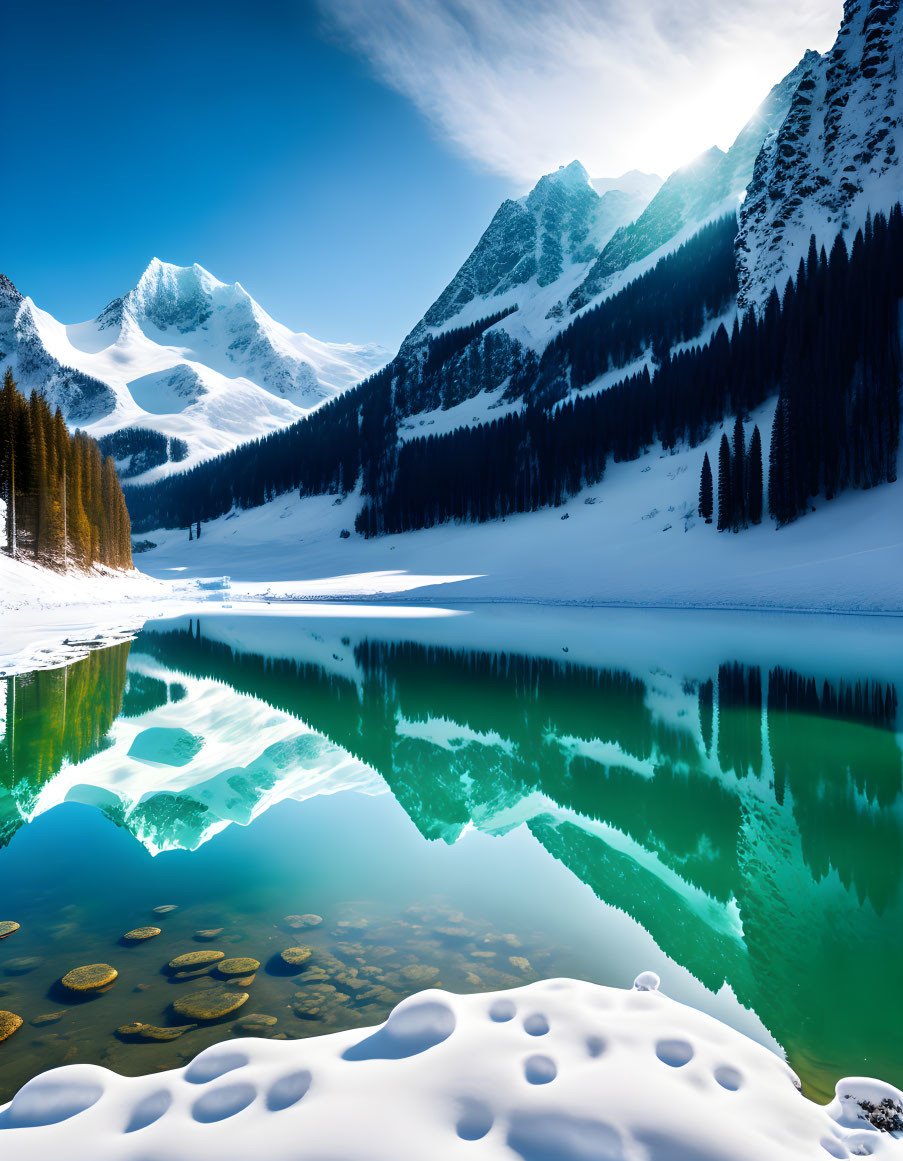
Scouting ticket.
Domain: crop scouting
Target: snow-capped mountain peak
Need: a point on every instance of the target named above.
(572, 176)
(183, 354)
(170, 297)
(547, 236)
(708, 186)
(634, 183)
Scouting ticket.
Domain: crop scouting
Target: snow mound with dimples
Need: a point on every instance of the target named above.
(555, 1071)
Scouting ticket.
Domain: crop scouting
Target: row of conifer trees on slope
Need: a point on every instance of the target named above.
(740, 482)
(64, 504)
(829, 347)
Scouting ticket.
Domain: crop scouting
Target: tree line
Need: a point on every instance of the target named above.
(440, 348)
(64, 504)
(52, 718)
(740, 481)
(668, 304)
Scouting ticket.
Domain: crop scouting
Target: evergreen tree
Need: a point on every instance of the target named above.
(725, 500)
(705, 491)
(779, 502)
(754, 478)
(10, 405)
(738, 477)
(111, 542)
(76, 517)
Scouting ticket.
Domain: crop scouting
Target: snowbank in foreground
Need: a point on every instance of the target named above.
(554, 1071)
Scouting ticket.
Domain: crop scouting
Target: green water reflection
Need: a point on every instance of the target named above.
(748, 821)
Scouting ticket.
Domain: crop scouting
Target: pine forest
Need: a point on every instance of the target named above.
(64, 503)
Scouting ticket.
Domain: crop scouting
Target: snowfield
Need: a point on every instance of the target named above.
(555, 1071)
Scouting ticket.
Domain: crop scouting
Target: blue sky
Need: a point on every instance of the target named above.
(340, 158)
(229, 134)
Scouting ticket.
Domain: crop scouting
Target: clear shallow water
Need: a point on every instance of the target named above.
(473, 804)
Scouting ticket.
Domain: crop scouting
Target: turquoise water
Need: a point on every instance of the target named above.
(471, 802)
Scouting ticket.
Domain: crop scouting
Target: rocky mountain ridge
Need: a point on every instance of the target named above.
(836, 155)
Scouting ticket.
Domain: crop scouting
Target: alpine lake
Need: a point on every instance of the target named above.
(465, 799)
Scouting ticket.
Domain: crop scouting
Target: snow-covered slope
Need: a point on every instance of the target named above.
(554, 1071)
(835, 157)
(182, 354)
(80, 397)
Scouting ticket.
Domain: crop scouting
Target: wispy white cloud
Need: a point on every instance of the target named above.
(522, 86)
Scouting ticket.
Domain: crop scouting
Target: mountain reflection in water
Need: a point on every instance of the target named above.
(749, 820)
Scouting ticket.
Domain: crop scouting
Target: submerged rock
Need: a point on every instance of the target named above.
(299, 922)
(239, 966)
(166, 908)
(8, 927)
(153, 1032)
(21, 965)
(193, 973)
(49, 1018)
(141, 933)
(90, 978)
(9, 1023)
(296, 956)
(209, 1005)
(257, 1018)
(196, 959)
(255, 1024)
(208, 933)
(420, 973)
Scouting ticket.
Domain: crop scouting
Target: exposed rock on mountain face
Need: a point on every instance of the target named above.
(705, 188)
(835, 157)
(563, 221)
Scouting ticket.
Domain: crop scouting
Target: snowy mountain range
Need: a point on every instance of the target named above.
(182, 354)
(674, 264)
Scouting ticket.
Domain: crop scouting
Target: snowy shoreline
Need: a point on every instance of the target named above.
(42, 635)
(559, 1070)
(363, 598)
